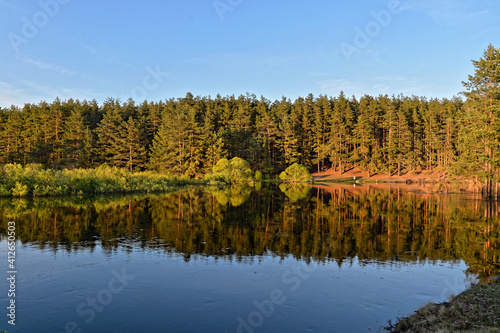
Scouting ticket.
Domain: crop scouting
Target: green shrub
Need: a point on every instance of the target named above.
(236, 170)
(20, 190)
(217, 179)
(4, 191)
(16, 180)
(296, 173)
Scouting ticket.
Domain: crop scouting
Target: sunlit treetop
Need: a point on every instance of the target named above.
(485, 83)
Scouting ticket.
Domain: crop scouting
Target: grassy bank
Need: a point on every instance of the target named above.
(33, 180)
(475, 310)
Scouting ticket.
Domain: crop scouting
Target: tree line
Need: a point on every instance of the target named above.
(187, 136)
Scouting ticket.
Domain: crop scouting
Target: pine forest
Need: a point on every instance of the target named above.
(187, 136)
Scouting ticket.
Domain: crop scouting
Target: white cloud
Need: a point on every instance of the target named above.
(247, 59)
(92, 51)
(449, 12)
(46, 66)
(10, 95)
(54, 68)
(8, 4)
(55, 91)
(26, 91)
(381, 85)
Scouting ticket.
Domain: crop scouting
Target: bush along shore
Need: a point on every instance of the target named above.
(36, 181)
(474, 310)
(33, 180)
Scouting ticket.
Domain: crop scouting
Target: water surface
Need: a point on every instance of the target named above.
(338, 258)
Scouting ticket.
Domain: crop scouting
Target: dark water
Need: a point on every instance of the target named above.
(322, 259)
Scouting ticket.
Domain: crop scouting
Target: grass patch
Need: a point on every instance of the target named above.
(475, 310)
(34, 181)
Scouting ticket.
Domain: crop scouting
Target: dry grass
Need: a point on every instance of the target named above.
(475, 310)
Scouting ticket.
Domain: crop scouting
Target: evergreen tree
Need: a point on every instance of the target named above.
(129, 146)
(364, 133)
(480, 138)
(108, 132)
(12, 136)
(288, 140)
(73, 138)
(214, 152)
(162, 153)
(341, 122)
(187, 136)
(403, 159)
(321, 109)
(177, 146)
(266, 126)
(306, 114)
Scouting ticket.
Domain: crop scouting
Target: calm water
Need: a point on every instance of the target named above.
(324, 259)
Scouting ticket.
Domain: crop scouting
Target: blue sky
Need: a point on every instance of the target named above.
(159, 49)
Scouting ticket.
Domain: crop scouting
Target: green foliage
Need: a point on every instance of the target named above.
(188, 136)
(34, 180)
(129, 146)
(221, 167)
(217, 179)
(236, 170)
(296, 173)
(20, 190)
(478, 132)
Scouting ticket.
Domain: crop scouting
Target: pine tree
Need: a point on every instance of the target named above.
(267, 129)
(162, 153)
(73, 138)
(12, 136)
(341, 122)
(108, 132)
(321, 109)
(364, 133)
(482, 116)
(129, 146)
(3, 137)
(307, 127)
(413, 107)
(404, 140)
(154, 112)
(376, 116)
(57, 118)
(87, 155)
(42, 133)
(177, 146)
(288, 140)
(214, 152)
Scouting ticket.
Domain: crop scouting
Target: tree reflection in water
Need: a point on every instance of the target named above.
(320, 223)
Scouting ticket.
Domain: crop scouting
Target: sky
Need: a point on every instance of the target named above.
(160, 49)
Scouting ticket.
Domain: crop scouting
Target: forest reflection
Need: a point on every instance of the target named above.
(314, 223)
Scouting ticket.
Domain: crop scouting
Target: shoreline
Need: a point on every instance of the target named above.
(477, 309)
(362, 175)
(434, 181)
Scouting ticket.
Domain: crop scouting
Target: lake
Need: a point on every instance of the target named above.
(330, 258)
